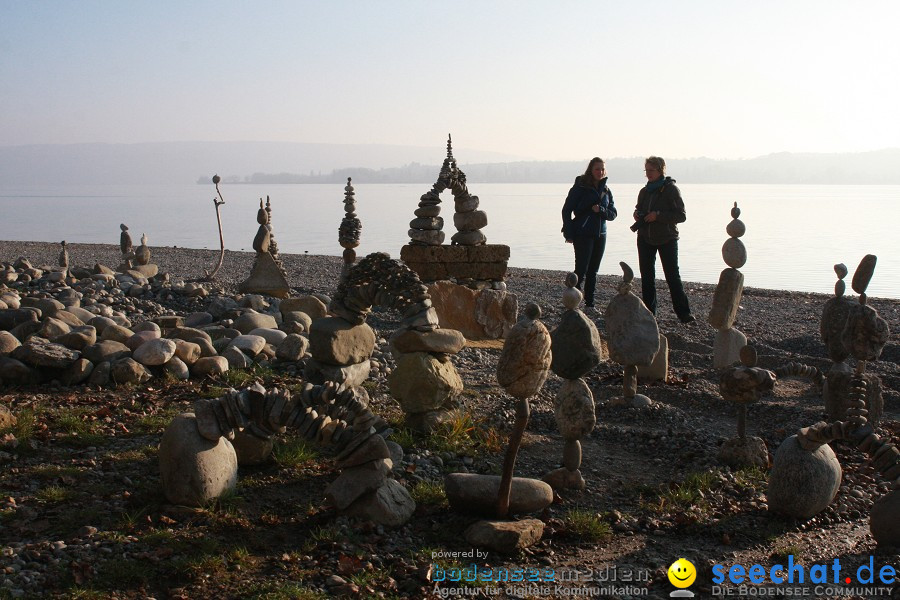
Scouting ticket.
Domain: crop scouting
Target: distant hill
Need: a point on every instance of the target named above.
(878, 167)
(183, 162)
(282, 162)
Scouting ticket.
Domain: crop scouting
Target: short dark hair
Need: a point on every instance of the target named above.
(656, 162)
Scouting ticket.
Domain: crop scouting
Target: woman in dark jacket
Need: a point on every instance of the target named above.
(588, 207)
(657, 214)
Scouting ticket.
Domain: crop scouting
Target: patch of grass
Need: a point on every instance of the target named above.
(781, 554)
(283, 591)
(80, 593)
(159, 420)
(686, 494)
(404, 437)
(751, 477)
(23, 430)
(54, 494)
(429, 493)
(73, 421)
(293, 451)
(586, 525)
(47, 472)
(238, 378)
(118, 573)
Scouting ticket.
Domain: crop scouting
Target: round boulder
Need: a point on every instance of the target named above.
(802, 483)
(193, 469)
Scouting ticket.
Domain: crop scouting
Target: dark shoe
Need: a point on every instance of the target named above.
(688, 319)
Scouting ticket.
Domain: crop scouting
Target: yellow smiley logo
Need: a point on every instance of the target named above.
(682, 573)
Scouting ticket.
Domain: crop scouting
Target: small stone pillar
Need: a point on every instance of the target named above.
(727, 298)
(267, 275)
(63, 258)
(126, 247)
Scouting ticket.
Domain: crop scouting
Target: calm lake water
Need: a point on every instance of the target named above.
(795, 233)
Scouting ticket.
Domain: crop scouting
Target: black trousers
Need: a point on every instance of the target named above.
(668, 256)
(588, 254)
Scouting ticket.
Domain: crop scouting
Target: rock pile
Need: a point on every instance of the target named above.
(349, 231)
(267, 276)
(425, 381)
(576, 349)
(427, 228)
(727, 298)
(633, 337)
(126, 246)
(85, 328)
(198, 463)
(63, 259)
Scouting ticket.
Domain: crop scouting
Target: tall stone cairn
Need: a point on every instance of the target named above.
(273, 245)
(126, 246)
(63, 258)
(727, 298)
(467, 219)
(426, 228)
(349, 231)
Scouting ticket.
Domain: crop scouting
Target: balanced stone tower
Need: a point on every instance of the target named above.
(576, 349)
(727, 298)
(348, 232)
(63, 259)
(468, 277)
(267, 275)
(633, 337)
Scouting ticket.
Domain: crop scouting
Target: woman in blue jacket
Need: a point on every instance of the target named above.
(588, 207)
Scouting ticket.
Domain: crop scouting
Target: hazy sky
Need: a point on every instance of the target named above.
(554, 79)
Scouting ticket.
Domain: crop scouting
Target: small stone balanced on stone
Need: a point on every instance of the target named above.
(632, 337)
(744, 385)
(142, 254)
(349, 231)
(727, 298)
(126, 246)
(468, 220)
(576, 349)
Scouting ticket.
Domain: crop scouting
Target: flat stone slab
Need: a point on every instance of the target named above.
(505, 537)
(475, 493)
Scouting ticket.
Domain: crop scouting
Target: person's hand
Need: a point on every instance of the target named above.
(596, 208)
(651, 216)
(636, 216)
(568, 241)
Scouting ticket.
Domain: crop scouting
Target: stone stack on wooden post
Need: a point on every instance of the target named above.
(267, 275)
(744, 385)
(349, 231)
(468, 277)
(727, 298)
(632, 338)
(576, 349)
(198, 464)
(806, 474)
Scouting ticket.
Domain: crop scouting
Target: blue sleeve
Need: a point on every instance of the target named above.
(610, 213)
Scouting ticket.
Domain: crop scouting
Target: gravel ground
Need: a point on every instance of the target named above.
(81, 514)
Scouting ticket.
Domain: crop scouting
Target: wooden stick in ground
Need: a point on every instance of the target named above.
(218, 202)
(523, 411)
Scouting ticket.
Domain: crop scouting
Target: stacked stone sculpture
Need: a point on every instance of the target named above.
(63, 259)
(727, 297)
(468, 220)
(349, 231)
(633, 338)
(198, 462)
(837, 385)
(806, 474)
(424, 381)
(142, 253)
(576, 349)
(267, 275)
(126, 246)
(744, 385)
